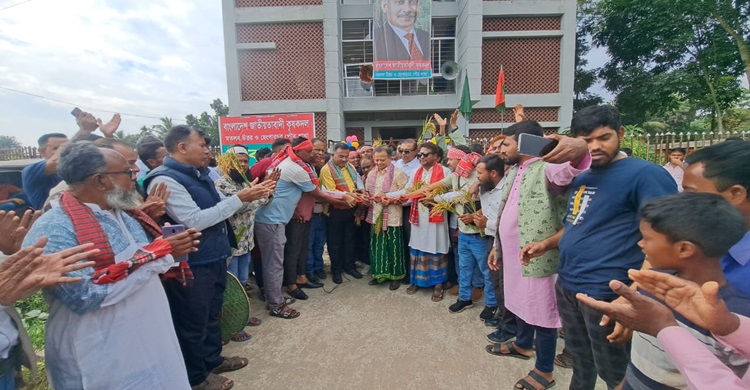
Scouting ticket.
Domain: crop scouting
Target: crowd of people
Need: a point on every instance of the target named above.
(649, 285)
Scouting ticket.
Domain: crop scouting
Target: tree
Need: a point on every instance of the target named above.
(209, 124)
(8, 142)
(584, 78)
(666, 51)
(161, 129)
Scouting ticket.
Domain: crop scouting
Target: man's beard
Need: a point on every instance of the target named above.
(237, 177)
(123, 199)
(486, 186)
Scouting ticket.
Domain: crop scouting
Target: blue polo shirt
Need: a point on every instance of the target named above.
(37, 184)
(735, 265)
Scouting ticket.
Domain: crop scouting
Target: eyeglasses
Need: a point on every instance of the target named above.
(128, 171)
(405, 151)
(420, 155)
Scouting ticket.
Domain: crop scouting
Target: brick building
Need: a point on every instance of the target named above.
(286, 56)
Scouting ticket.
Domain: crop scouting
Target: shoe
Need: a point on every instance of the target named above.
(476, 294)
(298, 294)
(373, 282)
(498, 337)
(312, 278)
(336, 277)
(493, 322)
(394, 285)
(354, 273)
(488, 312)
(321, 274)
(311, 284)
(460, 306)
(359, 264)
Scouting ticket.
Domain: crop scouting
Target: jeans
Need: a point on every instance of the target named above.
(7, 381)
(546, 343)
(317, 242)
(472, 255)
(240, 267)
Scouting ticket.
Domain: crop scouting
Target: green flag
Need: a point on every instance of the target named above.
(466, 103)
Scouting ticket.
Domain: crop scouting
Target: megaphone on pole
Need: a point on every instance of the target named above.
(450, 70)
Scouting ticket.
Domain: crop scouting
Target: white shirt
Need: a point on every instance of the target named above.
(408, 168)
(677, 173)
(490, 206)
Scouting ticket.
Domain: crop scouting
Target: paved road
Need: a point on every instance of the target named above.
(365, 337)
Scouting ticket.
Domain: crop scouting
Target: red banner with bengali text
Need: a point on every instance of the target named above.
(264, 129)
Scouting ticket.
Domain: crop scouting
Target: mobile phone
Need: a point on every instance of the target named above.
(76, 112)
(534, 145)
(171, 230)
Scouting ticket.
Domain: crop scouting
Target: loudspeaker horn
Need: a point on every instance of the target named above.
(450, 70)
(365, 77)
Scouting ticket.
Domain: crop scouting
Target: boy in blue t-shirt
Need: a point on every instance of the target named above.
(599, 243)
(687, 234)
(39, 178)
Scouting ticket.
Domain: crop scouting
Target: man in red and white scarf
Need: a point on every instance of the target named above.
(429, 241)
(118, 314)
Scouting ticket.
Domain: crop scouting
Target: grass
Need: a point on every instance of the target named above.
(34, 313)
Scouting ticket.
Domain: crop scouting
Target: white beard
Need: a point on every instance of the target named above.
(123, 199)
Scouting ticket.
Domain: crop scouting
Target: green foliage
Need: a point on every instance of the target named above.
(8, 141)
(34, 313)
(664, 52)
(584, 78)
(209, 124)
(635, 139)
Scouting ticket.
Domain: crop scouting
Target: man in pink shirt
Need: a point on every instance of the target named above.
(530, 286)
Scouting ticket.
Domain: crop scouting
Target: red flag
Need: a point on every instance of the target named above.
(500, 91)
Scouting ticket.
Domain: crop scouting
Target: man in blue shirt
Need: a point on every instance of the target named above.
(719, 169)
(599, 243)
(39, 178)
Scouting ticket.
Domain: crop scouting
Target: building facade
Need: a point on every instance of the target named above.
(289, 56)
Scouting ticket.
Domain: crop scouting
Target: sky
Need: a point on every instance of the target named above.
(145, 59)
(136, 57)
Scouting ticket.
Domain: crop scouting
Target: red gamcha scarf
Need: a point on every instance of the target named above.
(88, 230)
(436, 176)
(288, 152)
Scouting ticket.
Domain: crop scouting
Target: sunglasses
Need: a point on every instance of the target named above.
(405, 150)
(420, 155)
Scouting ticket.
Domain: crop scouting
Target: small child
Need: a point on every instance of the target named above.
(687, 234)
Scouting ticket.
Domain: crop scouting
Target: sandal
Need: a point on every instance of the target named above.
(564, 359)
(241, 337)
(285, 312)
(215, 382)
(525, 385)
(412, 289)
(495, 349)
(254, 321)
(233, 363)
(437, 295)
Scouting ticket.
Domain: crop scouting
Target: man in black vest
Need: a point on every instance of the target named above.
(195, 203)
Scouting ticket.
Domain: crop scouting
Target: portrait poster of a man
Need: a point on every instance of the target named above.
(401, 39)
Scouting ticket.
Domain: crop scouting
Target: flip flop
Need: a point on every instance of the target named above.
(412, 289)
(525, 385)
(254, 321)
(231, 364)
(494, 349)
(437, 295)
(241, 337)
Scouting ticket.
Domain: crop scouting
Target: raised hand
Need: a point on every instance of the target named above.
(699, 304)
(633, 311)
(87, 124)
(13, 229)
(258, 191)
(454, 120)
(518, 113)
(155, 204)
(183, 243)
(109, 128)
(568, 149)
(439, 119)
(29, 270)
(274, 175)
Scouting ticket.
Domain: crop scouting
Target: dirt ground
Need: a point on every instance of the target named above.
(368, 337)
